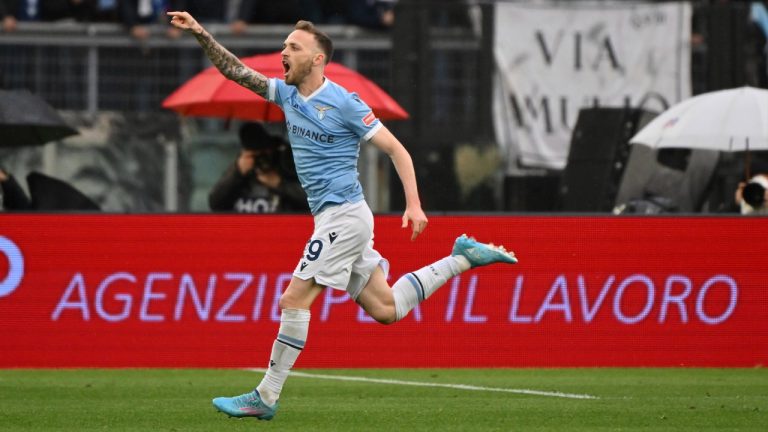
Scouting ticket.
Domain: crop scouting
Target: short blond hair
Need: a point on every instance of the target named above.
(322, 39)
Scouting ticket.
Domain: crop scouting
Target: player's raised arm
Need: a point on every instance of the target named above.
(228, 63)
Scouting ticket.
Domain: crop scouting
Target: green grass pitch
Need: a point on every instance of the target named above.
(179, 400)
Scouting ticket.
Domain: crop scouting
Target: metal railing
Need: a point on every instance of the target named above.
(98, 66)
(93, 69)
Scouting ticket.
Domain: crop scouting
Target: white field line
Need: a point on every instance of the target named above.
(440, 385)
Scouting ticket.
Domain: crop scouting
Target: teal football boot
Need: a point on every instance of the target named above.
(246, 405)
(480, 254)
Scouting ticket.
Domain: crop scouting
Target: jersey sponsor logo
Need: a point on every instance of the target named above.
(303, 265)
(321, 111)
(369, 118)
(332, 236)
(309, 134)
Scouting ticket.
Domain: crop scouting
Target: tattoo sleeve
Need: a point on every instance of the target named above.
(230, 66)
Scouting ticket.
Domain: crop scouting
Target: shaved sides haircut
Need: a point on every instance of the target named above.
(322, 39)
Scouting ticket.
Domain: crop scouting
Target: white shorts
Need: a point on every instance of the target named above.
(340, 253)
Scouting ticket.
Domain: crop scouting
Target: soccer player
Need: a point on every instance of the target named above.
(325, 125)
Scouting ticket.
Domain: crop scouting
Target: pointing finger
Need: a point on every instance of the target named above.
(418, 227)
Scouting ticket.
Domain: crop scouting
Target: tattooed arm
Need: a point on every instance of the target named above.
(228, 64)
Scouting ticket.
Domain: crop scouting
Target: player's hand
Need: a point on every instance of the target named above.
(418, 221)
(738, 196)
(238, 27)
(246, 161)
(184, 21)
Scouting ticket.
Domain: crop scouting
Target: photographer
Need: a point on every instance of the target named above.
(751, 196)
(13, 196)
(261, 180)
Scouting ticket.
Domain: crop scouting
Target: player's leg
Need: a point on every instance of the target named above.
(341, 233)
(329, 251)
(387, 305)
(376, 298)
(294, 326)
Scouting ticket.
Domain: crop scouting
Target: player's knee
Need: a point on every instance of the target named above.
(384, 315)
(389, 319)
(289, 302)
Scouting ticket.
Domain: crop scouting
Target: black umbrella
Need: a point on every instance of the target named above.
(26, 119)
(49, 193)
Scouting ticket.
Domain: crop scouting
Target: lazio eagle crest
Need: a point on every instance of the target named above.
(321, 111)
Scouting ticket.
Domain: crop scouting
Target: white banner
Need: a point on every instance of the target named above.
(555, 58)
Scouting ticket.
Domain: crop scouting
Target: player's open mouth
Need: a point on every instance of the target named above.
(286, 67)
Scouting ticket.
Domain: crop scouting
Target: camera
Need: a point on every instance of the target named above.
(266, 161)
(272, 152)
(276, 156)
(754, 193)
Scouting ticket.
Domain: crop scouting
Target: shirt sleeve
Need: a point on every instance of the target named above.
(360, 118)
(276, 90)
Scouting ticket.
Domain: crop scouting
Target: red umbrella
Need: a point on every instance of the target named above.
(210, 94)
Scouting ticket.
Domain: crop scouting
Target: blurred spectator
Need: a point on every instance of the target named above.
(8, 15)
(14, 197)
(105, 11)
(202, 10)
(57, 10)
(262, 179)
(45, 10)
(27, 10)
(759, 18)
(137, 14)
(273, 12)
(334, 11)
(752, 196)
(374, 14)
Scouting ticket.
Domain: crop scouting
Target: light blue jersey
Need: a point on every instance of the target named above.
(325, 130)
